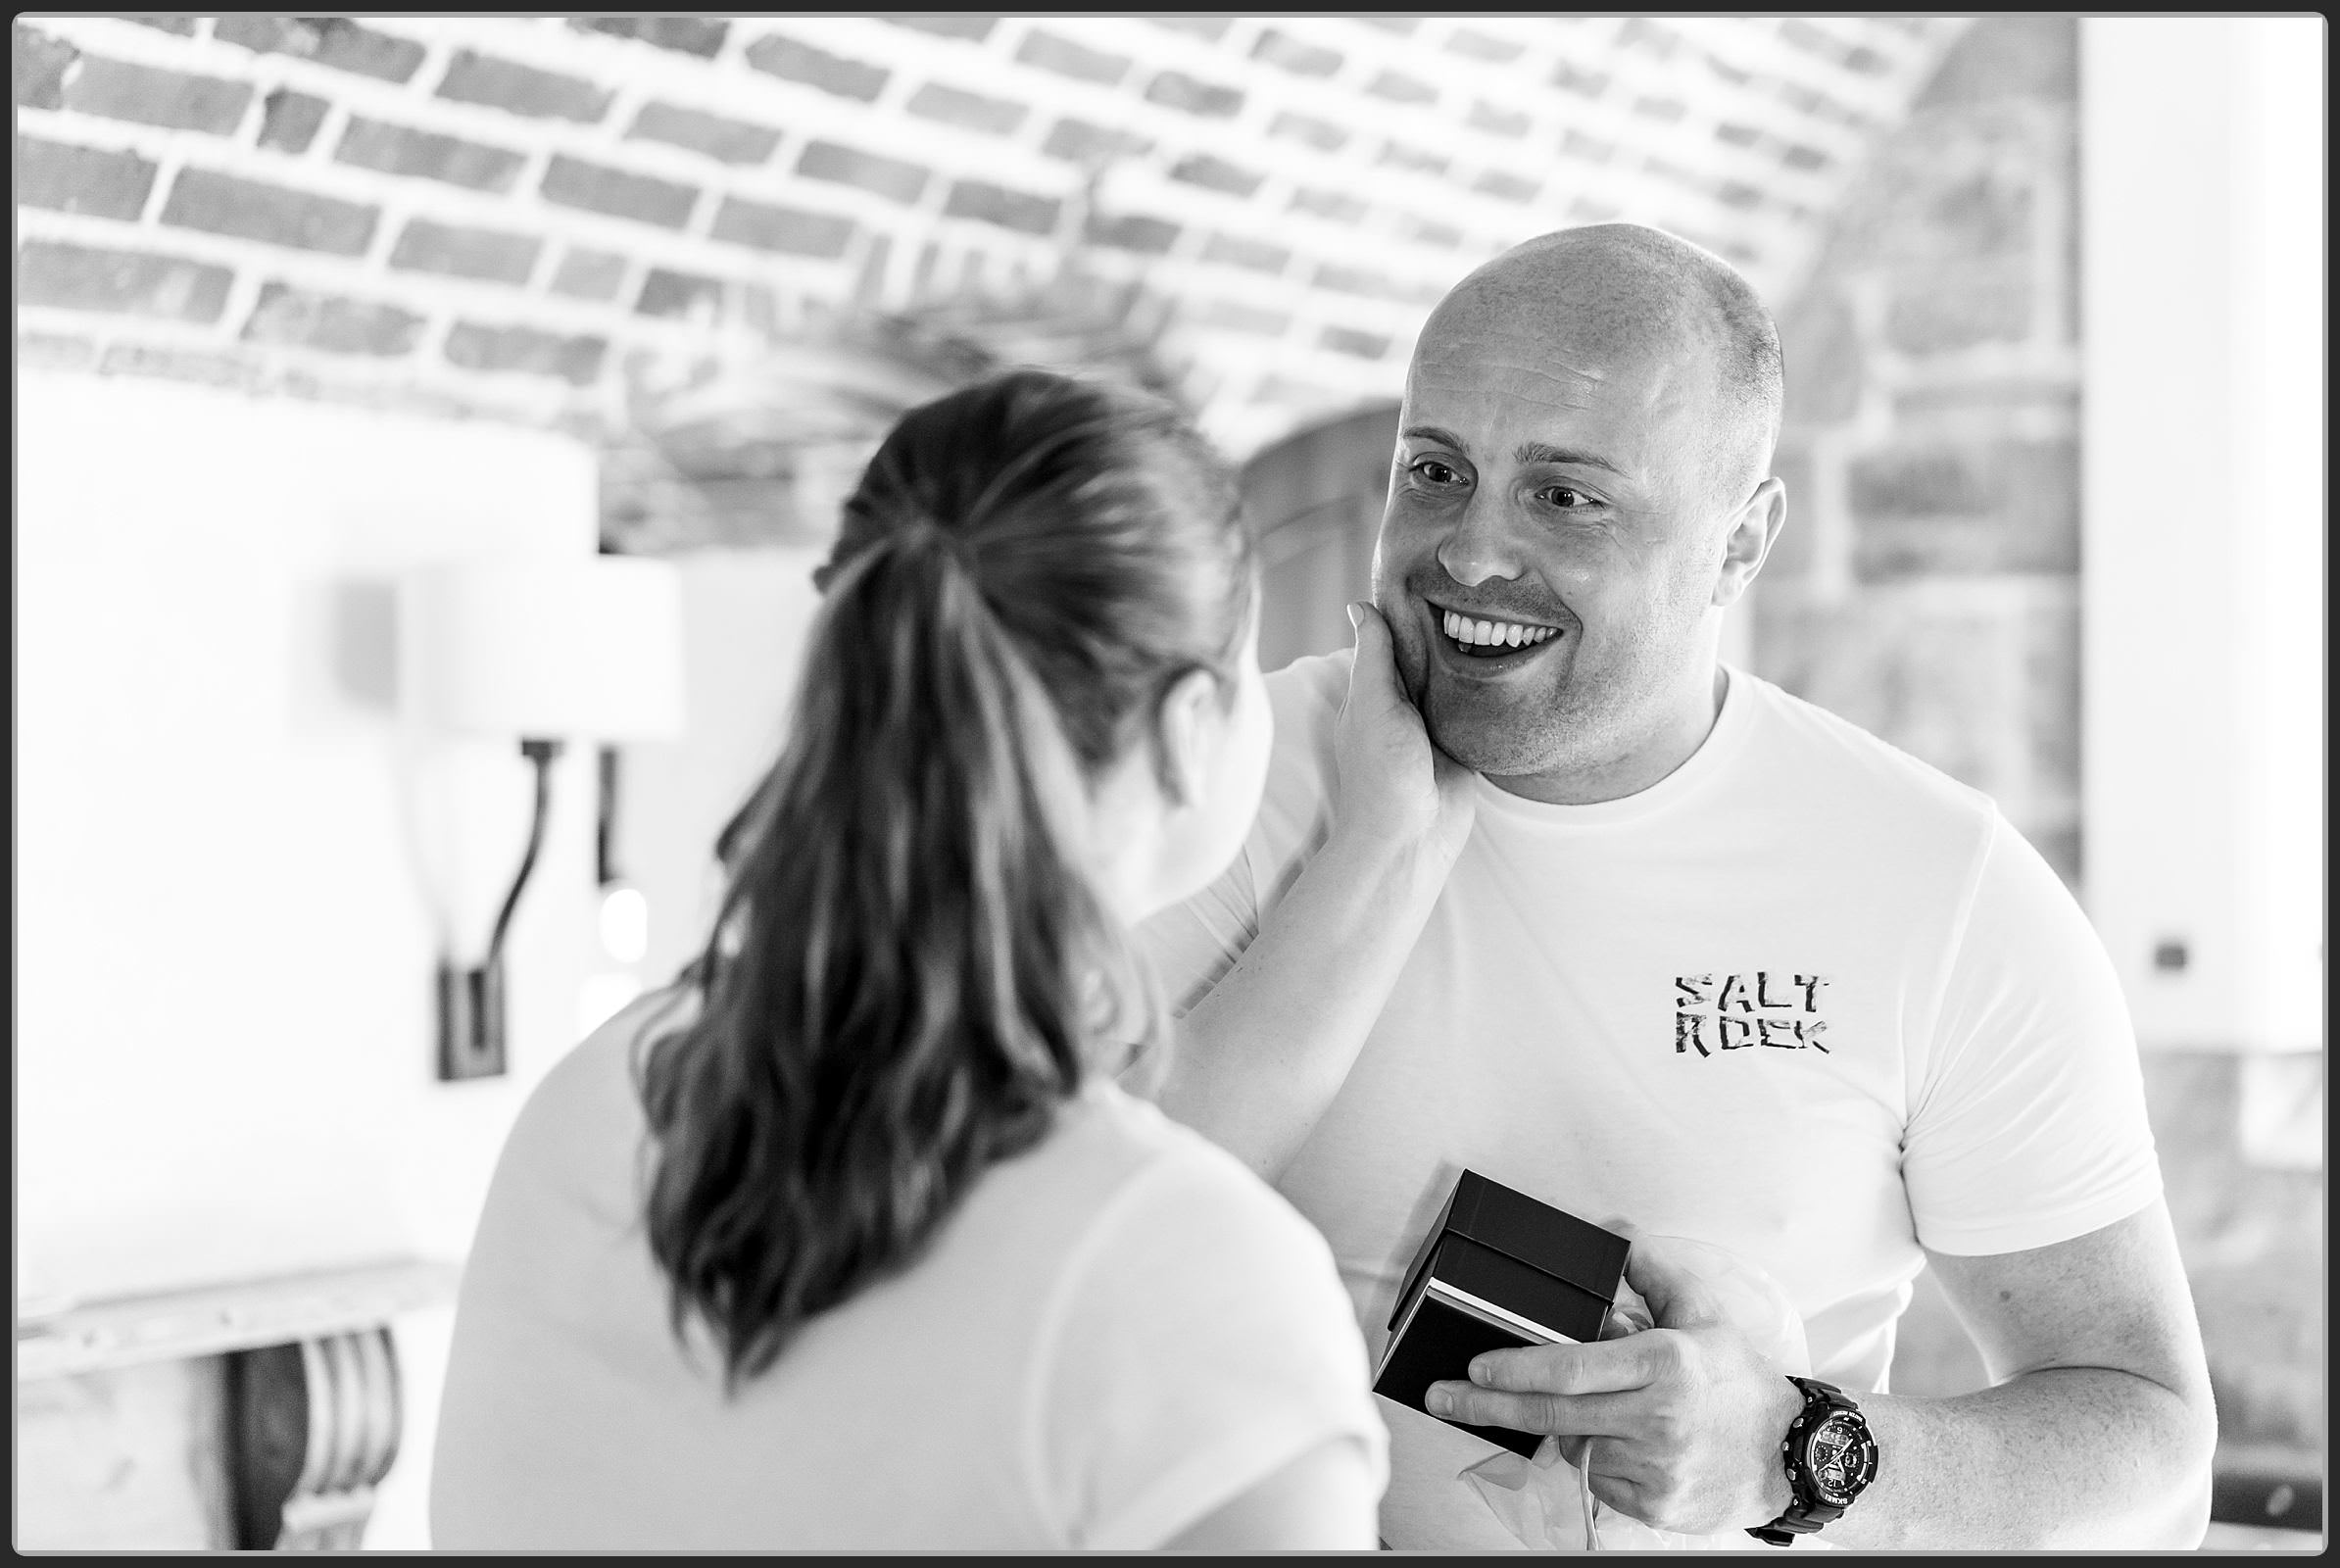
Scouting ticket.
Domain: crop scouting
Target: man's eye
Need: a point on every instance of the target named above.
(1436, 473)
(1567, 498)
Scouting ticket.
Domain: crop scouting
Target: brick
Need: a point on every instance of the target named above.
(1287, 53)
(893, 178)
(492, 255)
(1419, 159)
(273, 215)
(1213, 28)
(973, 26)
(54, 350)
(725, 140)
(1804, 158)
(1737, 193)
(202, 367)
(1175, 89)
(1356, 281)
(331, 323)
(589, 275)
(517, 89)
(1400, 88)
(1934, 316)
(1237, 251)
(790, 231)
(689, 35)
(1307, 130)
(1571, 78)
(680, 296)
(777, 55)
(969, 111)
(1348, 340)
(1423, 231)
(1338, 206)
(41, 65)
(1823, 341)
(85, 278)
(67, 178)
(1727, 72)
(1998, 58)
(185, 27)
(1147, 237)
(1227, 316)
(1215, 174)
(1066, 58)
(331, 41)
(175, 99)
(1665, 111)
(1508, 188)
(1401, 25)
(1016, 209)
(389, 148)
(525, 350)
(289, 121)
(1079, 142)
(1640, 32)
(1731, 134)
(1479, 46)
(1500, 122)
(2029, 489)
(615, 193)
(1574, 143)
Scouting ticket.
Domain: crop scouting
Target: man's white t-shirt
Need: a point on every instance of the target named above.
(1116, 1333)
(1805, 997)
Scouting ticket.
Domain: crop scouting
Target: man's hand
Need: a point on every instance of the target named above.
(1679, 1425)
(1396, 790)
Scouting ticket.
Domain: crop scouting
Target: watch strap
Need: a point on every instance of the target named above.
(1805, 1513)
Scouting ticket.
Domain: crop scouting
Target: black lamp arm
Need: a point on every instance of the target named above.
(543, 755)
(471, 1033)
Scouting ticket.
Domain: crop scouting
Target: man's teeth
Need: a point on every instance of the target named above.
(1496, 633)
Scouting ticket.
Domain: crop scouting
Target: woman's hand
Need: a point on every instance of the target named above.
(1396, 790)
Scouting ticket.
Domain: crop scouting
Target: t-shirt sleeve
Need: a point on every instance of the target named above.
(2029, 1127)
(1199, 1344)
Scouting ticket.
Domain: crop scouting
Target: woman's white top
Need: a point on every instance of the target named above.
(1116, 1333)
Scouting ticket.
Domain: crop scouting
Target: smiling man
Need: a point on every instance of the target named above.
(1543, 889)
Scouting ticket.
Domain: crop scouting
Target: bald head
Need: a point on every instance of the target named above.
(1625, 290)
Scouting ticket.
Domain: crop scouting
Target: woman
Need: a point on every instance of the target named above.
(850, 1240)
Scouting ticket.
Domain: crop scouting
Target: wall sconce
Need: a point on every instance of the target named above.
(542, 652)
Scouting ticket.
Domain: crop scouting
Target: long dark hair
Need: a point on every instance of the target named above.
(910, 971)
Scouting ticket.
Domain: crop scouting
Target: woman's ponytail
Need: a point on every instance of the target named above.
(910, 971)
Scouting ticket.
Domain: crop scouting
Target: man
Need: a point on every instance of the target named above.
(1538, 887)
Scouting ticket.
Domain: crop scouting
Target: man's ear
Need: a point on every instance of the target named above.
(1189, 732)
(1753, 530)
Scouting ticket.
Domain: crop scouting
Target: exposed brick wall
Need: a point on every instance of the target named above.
(512, 216)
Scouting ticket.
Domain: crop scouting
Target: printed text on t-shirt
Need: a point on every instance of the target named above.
(1768, 1008)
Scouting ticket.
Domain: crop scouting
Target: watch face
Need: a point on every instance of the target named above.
(1840, 1457)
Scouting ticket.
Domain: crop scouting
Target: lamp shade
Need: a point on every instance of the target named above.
(586, 648)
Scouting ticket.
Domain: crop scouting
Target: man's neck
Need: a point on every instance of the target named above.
(1673, 741)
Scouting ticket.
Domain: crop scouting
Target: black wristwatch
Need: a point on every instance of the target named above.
(1831, 1459)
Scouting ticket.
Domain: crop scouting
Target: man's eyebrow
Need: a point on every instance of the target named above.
(1431, 432)
(1539, 451)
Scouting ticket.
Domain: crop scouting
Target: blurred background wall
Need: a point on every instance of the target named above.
(304, 302)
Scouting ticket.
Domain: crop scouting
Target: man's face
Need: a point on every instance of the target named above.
(1554, 477)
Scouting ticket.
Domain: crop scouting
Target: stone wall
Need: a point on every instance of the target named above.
(1927, 589)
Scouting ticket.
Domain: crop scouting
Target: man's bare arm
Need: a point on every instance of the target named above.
(1260, 1058)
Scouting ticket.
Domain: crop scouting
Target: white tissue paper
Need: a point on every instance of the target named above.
(1547, 1503)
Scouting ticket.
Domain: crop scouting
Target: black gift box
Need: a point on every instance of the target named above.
(1498, 1270)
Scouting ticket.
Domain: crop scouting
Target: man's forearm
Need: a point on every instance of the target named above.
(2065, 1457)
(1261, 1056)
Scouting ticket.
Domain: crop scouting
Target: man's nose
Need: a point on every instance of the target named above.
(1481, 546)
